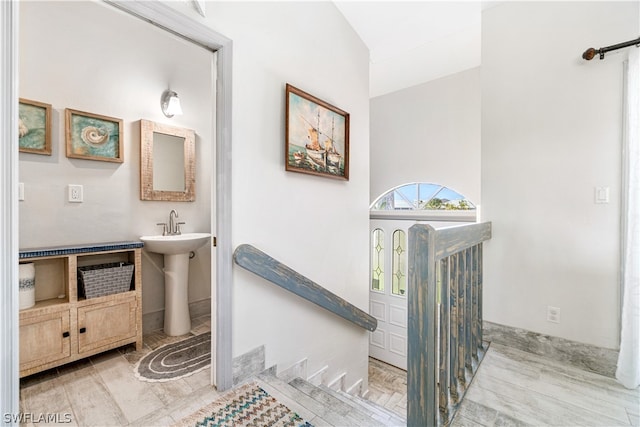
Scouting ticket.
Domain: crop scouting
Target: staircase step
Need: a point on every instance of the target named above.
(340, 402)
(308, 408)
(384, 415)
(375, 406)
(283, 398)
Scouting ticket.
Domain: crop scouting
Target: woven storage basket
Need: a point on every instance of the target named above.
(104, 279)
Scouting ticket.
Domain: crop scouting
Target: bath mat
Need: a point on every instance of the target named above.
(248, 405)
(175, 360)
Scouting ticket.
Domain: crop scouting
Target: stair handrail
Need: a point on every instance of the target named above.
(256, 261)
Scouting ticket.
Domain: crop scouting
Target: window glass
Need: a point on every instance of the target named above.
(422, 196)
(377, 260)
(426, 192)
(399, 277)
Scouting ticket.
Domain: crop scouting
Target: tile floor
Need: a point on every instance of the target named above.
(512, 387)
(517, 388)
(102, 390)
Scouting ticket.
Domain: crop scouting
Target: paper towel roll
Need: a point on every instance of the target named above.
(27, 281)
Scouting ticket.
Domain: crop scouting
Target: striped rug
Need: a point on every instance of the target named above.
(248, 405)
(175, 360)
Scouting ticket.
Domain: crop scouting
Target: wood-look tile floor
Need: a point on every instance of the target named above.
(517, 388)
(103, 391)
(511, 387)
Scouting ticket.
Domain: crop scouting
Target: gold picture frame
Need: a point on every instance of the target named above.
(34, 127)
(93, 136)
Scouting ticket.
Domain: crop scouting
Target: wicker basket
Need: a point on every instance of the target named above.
(104, 279)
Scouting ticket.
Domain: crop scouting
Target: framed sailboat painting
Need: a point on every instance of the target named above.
(317, 136)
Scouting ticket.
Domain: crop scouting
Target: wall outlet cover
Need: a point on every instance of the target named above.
(75, 193)
(553, 314)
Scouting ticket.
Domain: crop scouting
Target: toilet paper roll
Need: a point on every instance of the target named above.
(27, 282)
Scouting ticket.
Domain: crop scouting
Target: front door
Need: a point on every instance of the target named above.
(388, 290)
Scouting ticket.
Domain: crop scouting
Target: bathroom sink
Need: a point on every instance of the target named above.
(175, 244)
(176, 249)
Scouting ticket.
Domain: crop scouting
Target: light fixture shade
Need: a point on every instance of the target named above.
(170, 104)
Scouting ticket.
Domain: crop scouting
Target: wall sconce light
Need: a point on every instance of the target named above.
(170, 104)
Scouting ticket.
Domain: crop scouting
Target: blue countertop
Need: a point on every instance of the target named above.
(78, 249)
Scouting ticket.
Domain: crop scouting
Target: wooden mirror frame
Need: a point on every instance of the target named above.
(147, 129)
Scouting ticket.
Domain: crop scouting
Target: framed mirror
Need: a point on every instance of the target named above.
(167, 162)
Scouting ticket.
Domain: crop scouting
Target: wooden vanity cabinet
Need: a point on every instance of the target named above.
(63, 327)
(106, 324)
(44, 340)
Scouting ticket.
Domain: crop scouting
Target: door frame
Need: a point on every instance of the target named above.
(173, 21)
(9, 384)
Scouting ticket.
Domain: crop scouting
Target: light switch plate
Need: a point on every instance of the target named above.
(601, 195)
(21, 191)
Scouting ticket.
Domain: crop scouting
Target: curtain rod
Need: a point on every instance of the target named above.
(591, 52)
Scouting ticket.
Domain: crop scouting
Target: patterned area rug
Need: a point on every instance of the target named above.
(248, 405)
(175, 360)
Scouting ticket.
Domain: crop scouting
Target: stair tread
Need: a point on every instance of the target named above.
(377, 406)
(378, 412)
(292, 404)
(312, 408)
(358, 413)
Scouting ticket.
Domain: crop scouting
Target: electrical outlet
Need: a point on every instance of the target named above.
(553, 314)
(75, 193)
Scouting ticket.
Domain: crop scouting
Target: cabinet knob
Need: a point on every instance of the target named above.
(83, 330)
(65, 335)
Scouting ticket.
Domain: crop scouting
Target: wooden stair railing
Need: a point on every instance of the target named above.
(445, 290)
(261, 264)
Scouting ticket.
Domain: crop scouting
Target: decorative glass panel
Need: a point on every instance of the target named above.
(377, 260)
(426, 192)
(399, 267)
(422, 196)
(384, 203)
(406, 196)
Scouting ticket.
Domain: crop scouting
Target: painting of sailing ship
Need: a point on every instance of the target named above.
(317, 136)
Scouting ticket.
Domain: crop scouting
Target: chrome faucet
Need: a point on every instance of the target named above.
(172, 221)
(174, 227)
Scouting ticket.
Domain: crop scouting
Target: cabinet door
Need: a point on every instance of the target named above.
(102, 325)
(44, 339)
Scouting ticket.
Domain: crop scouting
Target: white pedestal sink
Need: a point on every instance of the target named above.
(175, 249)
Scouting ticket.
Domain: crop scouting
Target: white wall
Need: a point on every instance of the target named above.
(551, 132)
(428, 133)
(117, 66)
(318, 226)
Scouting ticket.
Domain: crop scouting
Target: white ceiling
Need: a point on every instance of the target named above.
(412, 42)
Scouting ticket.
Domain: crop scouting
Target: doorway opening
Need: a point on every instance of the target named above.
(391, 216)
(165, 17)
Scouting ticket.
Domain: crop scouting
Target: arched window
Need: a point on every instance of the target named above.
(421, 196)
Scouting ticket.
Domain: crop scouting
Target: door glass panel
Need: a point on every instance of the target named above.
(377, 260)
(399, 276)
